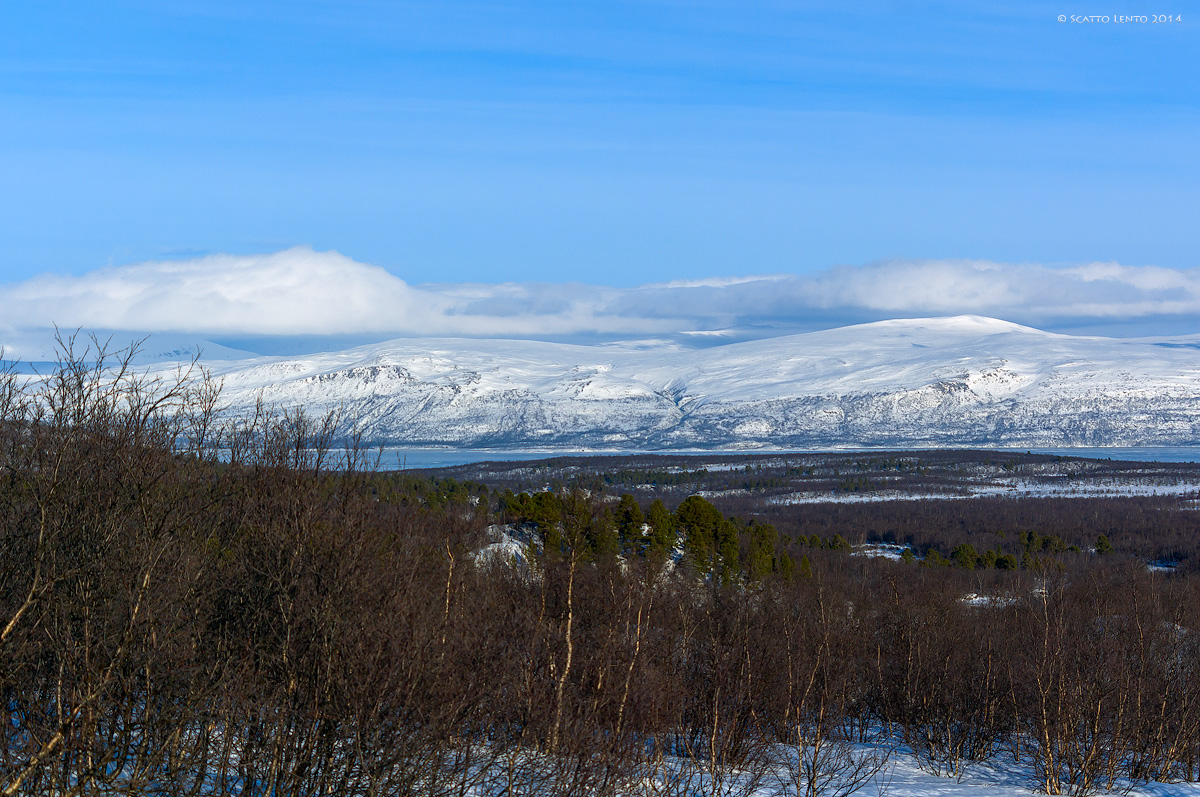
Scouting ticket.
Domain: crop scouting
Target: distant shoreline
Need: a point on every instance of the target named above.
(418, 458)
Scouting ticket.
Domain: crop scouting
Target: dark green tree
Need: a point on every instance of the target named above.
(786, 567)
(662, 527)
(934, 558)
(726, 563)
(601, 534)
(699, 521)
(839, 543)
(629, 520)
(760, 557)
(964, 556)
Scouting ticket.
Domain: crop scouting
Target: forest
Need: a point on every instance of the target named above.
(193, 604)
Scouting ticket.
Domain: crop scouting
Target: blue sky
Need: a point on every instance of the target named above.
(616, 143)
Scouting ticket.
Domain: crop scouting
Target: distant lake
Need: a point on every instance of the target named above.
(410, 458)
(1147, 454)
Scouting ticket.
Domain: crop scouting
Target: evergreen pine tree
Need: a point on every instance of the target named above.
(725, 540)
(662, 527)
(964, 556)
(629, 520)
(934, 558)
(761, 559)
(785, 567)
(601, 535)
(700, 523)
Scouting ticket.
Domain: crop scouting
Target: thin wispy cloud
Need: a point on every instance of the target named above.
(301, 292)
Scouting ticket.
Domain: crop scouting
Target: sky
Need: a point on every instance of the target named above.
(543, 169)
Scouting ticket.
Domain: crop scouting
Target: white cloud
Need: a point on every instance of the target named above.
(289, 292)
(303, 292)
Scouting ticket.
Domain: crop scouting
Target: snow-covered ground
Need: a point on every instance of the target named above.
(998, 778)
(900, 776)
(507, 545)
(1015, 488)
(881, 550)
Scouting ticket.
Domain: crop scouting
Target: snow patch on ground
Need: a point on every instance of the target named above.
(989, 601)
(507, 545)
(882, 550)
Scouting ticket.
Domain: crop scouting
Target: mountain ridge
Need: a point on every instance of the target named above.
(962, 380)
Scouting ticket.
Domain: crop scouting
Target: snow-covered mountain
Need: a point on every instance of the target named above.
(958, 381)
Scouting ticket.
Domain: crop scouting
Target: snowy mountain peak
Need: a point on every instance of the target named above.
(963, 380)
(958, 324)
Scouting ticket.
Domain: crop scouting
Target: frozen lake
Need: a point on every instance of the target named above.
(410, 458)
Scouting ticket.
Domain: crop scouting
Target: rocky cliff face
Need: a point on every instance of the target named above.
(955, 381)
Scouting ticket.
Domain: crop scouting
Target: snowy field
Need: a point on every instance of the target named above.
(996, 779)
(884, 771)
(1052, 486)
(1025, 489)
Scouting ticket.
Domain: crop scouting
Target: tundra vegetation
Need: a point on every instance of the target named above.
(193, 605)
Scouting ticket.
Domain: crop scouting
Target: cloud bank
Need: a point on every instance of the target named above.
(301, 292)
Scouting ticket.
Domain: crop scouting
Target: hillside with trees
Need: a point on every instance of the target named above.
(192, 604)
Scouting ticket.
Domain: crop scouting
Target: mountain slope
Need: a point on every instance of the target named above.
(950, 381)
